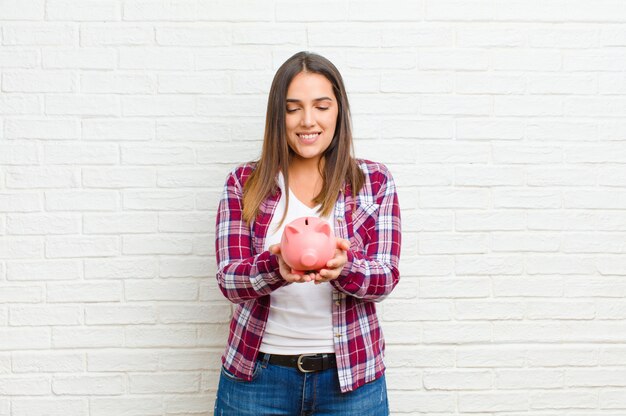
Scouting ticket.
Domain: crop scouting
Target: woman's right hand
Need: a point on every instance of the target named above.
(285, 270)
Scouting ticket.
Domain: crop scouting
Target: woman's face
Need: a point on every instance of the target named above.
(311, 108)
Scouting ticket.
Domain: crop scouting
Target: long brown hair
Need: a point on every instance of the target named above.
(339, 162)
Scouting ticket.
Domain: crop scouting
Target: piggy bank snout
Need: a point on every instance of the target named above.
(309, 258)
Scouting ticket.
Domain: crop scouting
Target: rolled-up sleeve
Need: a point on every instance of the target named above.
(373, 273)
(242, 274)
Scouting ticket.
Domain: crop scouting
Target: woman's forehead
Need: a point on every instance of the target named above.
(310, 87)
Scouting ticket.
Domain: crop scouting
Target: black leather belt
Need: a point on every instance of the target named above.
(306, 363)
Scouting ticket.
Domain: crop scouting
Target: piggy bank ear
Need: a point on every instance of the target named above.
(324, 228)
(290, 230)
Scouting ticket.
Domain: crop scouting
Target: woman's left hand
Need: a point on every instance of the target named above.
(334, 265)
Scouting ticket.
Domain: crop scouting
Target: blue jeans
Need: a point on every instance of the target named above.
(278, 390)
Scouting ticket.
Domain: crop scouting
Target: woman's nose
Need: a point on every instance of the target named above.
(307, 118)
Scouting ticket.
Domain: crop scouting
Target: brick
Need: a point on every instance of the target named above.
(82, 246)
(162, 289)
(156, 245)
(230, 106)
(117, 130)
(226, 153)
(406, 81)
(164, 383)
(24, 385)
(91, 385)
(190, 267)
(48, 34)
(119, 223)
(196, 35)
(489, 83)
(493, 402)
(94, 154)
(194, 84)
(83, 58)
(157, 155)
(43, 224)
(49, 407)
(185, 222)
(127, 406)
(521, 242)
(476, 10)
(21, 294)
(269, 33)
(111, 83)
(156, 58)
(167, 336)
(212, 335)
(24, 338)
(84, 292)
(528, 106)
(48, 362)
(121, 268)
(245, 58)
(22, 9)
(119, 314)
(81, 200)
(91, 10)
(563, 400)
(489, 264)
(38, 315)
(489, 310)
(38, 81)
(82, 105)
(162, 200)
(188, 313)
(116, 34)
(16, 104)
(41, 129)
(18, 154)
(488, 36)
(424, 311)
(411, 35)
(454, 59)
(19, 58)
(458, 380)
(44, 270)
(30, 178)
(323, 11)
(87, 337)
(189, 360)
(193, 131)
(183, 178)
(20, 248)
(119, 177)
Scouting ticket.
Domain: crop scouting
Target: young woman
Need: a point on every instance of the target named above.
(306, 344)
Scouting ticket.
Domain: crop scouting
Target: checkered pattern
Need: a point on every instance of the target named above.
(247, 275)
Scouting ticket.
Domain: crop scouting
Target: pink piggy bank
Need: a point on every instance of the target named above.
(307, 244)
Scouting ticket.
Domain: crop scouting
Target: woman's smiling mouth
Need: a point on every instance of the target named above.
(308, 138)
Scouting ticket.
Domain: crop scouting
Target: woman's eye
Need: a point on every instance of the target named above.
(291, 110)
(323, 108)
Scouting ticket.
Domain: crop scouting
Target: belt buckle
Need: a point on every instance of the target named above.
(299, 363)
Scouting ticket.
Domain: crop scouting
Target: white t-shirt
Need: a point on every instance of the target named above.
(300, 318)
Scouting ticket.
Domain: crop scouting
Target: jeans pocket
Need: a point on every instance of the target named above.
(230, 376)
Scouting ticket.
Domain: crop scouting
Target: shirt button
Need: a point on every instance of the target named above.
(339, 219)
(338, 335)
(337, 302)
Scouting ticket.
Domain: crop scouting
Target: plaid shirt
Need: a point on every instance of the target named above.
(247, 274)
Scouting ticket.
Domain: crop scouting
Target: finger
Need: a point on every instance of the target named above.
(343, 244)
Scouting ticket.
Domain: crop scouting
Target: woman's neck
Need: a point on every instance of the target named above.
(299, 167)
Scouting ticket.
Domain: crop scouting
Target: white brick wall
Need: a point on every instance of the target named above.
(503, 122)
